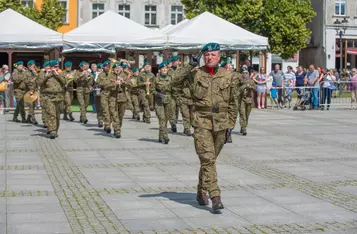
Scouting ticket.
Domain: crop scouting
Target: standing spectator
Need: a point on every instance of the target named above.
(313, 77)
(300, 76)
(2, 93)
(261, 80)
(354, 89)
(289, 75)
(278, 76)
(274, 94)
(248, 64)
(339, 83)
(327, 87)
(289, 92)
(8, 93)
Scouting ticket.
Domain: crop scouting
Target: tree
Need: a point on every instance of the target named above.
(282, 21)
(51, 13)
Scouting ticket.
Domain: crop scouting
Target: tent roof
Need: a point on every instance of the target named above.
(193, 34)
(166, 28)
(20, 31)
(114, 29)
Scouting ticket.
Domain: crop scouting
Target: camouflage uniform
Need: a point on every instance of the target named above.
(245, 97)
(161, 88)
(135, 92)
(145, 99)
(175, 102)
(53, 89)
(19, 79)
(129, 104)
(84, 85)
(31, 85)
(117, 102)
(104, 99)
(97, 99)
(148, 76)
(215, 111)
(43, 98)
(68, 97)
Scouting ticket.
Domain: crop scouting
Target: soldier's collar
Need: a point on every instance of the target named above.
(163, 76)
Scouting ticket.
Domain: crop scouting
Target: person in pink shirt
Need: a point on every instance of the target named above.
(354, 89)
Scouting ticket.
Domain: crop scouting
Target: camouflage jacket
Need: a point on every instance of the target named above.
(31, 84)
(100, 82)
(117, 91)
(245, 90)
(52, 85)
(143, 77)
(135, 89)
(162, 89)
(214, 98)
(84, 82)
(70, 76)
(19, 79)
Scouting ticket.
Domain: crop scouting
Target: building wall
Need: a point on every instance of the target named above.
(137, 9)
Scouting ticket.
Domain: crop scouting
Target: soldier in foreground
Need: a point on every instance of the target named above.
(104, 96)
(96, 90)
(69, 75)
(215, 111)
(172, 68)
(146, 77)
(52, 83)
(135, 92)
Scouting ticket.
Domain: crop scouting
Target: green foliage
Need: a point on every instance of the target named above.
(50, 15)
(282, 21)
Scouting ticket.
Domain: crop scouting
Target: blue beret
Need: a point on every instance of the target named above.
(163, 64)
(68, 64)
(211, 47)
(45, 64)
(53, 63)
(124, 65)
(116, 65)
(19, 63)
(31, 62)
(224, 64)
(100, 65)
(135, 69)
(174, 58)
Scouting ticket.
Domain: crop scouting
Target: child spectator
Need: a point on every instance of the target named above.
(288, 92)
(274, 94)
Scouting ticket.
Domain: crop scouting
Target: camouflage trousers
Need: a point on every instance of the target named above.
(68, 98)
(43, 101)
(129, 105)
(53, 109)
(244, 110)
(117, 111)
(32, 108)
(20, 105)
(163, 113)
(186, 112)
(104, 107)
(144, 101)
(97, 103)
(208, 145)
(176, 109)
(135, 102)
(83, 99)
(150, 99)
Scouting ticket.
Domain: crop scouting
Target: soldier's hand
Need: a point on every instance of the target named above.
(147, 83)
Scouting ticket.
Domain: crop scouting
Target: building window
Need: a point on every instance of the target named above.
(340, 7)
(150, 15)
(27, 3)
(97, 9)
(124, 10)
(65, 6)
(176, 14)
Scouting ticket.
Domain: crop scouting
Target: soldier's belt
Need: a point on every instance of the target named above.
(213, 109)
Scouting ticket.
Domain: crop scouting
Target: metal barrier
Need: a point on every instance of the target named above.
(339, 94)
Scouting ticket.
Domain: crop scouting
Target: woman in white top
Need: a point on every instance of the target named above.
(327, 86)
(261, 80)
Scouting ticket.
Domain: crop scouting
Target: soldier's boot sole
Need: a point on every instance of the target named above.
(166, 141)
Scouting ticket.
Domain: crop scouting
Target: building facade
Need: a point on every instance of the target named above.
(324, 45)
(151, 13)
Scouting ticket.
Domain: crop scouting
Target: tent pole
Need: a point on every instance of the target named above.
(237, 60)
(9, 59)
(137, 59)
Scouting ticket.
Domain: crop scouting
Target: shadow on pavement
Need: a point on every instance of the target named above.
(43, 130)
(41, 135)
(110, 135)
(150, 140)
(96, 130)
(182, 198)
(89, 125)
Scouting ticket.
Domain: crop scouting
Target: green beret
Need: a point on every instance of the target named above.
(68, 64)
(135, 69)
(163, 64)
(106, 63)
(115, 65)
(168, 61)
(31, 62)
(45, 64)
(124, 65)
(145, 63)
(19, 63)
(224, 64)
(244, 69)
(53, 63)
(211, 47)
(82, 64)
(100, 65)
(174, 58)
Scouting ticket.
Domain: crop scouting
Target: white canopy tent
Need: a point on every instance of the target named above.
(205, 28)
(115, 31)
(18, 31)
(166, 28)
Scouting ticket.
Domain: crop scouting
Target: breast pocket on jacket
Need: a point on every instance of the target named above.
(200, 88)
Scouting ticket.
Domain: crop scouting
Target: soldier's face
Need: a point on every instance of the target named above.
(136, 73)
(147, 68)
(68, 68)
(175, 63)
(163, 71)
(47, 68)
(20, 67)
(94, 67)
(117, 70)
(245, 75)
(211, 58)
(100, 69)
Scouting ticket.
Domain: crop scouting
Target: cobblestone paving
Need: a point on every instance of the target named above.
(295, 172)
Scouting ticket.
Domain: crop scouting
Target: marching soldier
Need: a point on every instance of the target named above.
(31, 86)
(173, 67)
(161, 88)
(146, 78)
(215, 111)
(19, 79)
(43, 96)
(135, 93)
(104, 96)
(52, 83)
(115, 84)
(84, 81)
(97, 95)
(125, 74)
(245, 100)
(69, 75)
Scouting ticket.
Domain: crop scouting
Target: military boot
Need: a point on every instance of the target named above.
(80, 119)
(108, 130)
(44, 126)
(100, 124)
(161, 140)
(229, 136)
(33, 120)
(166, 141)
(138, 117)
(65, 117)
(187, 132)
(24, 120)
(71, 117)
(202, 199)
(16, 120)
(28, 120)
(133, 117)
(244, 132)
(217, 203)
(173, 128)
(85, 121)
(117, 134)
(53, 135)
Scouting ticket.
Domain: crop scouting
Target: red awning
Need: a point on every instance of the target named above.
(352, 51)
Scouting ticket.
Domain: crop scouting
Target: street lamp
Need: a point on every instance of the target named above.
(341, 27)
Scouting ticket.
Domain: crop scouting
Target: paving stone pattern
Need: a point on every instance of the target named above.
(295, 172)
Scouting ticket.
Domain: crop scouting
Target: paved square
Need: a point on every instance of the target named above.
(295, 172)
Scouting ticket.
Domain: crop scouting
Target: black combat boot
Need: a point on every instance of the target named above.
(65, 117)
(53, 135)
(202, 199)
(161, 140)
(33, 120)
(117, 134)
(108, 130)
(24, 120)
(85, 121)
(187, 132)
(71, 117)
(16, 120)
(138, 117)
(133, 117)
(229, 136)
(244, 132)
(100, 124)
(217, 203)
(173, 128)
(166, 141)
(28, 120)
